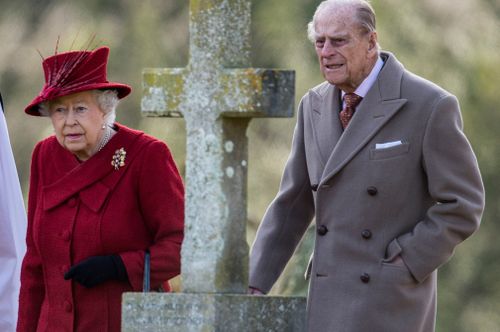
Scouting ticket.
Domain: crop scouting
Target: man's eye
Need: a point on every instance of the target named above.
(338, 41)
(320, 43)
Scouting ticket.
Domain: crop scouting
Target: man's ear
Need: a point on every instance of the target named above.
(372, 41)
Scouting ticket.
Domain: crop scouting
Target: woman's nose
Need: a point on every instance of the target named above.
(70, 117)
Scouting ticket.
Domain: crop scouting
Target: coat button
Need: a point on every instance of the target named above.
(372, 191)
(365, 277)
(314, 187)
(68, 307)
(66, 235)
(322, 230)
(366, 234)
(72, 202)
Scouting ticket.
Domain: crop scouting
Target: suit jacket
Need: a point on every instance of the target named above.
(418, 199)
(76, 211)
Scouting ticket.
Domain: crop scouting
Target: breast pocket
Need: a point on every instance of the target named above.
(390, 152)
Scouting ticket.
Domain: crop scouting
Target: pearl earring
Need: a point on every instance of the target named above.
(103, 126)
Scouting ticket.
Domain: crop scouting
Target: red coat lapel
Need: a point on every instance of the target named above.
(85, 178)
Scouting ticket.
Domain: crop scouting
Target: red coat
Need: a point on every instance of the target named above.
(76, 211)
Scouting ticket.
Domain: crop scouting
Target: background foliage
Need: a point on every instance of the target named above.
(453, 43)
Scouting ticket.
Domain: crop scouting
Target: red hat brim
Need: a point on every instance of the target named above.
(122, 89)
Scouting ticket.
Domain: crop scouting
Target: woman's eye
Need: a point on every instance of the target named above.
(81, 109)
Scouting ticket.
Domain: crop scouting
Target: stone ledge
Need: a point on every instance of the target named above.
(185, 312)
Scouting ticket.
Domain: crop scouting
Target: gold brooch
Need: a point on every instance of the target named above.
(119, 158)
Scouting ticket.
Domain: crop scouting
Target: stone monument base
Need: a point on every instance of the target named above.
(190, 312)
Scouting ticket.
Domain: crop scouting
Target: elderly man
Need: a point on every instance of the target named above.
(380, 160)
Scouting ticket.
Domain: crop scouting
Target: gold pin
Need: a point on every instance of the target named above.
(119, 158)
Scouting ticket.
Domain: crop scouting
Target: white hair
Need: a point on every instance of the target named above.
(365, 15)
(106, 99)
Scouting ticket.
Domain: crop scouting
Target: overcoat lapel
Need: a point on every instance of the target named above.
(86, 178)
(327, 130)
(380, 104)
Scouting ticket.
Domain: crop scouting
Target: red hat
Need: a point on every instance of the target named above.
(72, 72)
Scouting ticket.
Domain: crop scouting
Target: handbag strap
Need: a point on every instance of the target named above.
(146, 280)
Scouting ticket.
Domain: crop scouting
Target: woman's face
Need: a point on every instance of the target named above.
(78, 122)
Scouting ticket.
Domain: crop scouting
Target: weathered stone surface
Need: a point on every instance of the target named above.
(211, 313)
(253, 92)
(217, 95)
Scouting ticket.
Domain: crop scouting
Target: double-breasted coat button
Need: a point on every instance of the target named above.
(72, 202)
(314, 187)
(372, 191)
(68, 307)
(322, 230)
(366, 234)
(365, 277)
(66, 235)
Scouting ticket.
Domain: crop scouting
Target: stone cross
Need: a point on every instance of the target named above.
(217, 94)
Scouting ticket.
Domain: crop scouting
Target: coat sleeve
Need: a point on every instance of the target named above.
(455, 185)
(286, 219)
(161, 199)
(32, 290)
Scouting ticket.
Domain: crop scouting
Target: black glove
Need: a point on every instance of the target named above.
(96, 270)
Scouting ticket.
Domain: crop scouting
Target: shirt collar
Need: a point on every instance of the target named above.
(363, 88)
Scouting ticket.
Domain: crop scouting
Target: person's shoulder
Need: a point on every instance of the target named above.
(153, 144)
(317, 93)
(154, 151)
(134, 134)
(47, 143)
(412, 84)
(46, 147)
(321, 89)
(415, 83)
(147, 142)
(127, 131)
(148, 145)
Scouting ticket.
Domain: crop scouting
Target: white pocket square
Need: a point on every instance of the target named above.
(387, 145)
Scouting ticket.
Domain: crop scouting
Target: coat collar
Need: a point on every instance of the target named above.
(85, 178)
(325, 106)
(381, 103)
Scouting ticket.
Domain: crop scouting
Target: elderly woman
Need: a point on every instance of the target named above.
(101, 195)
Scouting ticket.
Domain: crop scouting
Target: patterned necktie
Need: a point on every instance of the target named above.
(351, 101)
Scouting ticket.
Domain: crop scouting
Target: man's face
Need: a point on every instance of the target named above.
(346, 54)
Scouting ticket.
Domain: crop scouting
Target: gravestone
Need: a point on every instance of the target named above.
(217, 94)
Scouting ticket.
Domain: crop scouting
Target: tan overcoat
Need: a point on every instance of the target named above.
(402, 179)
